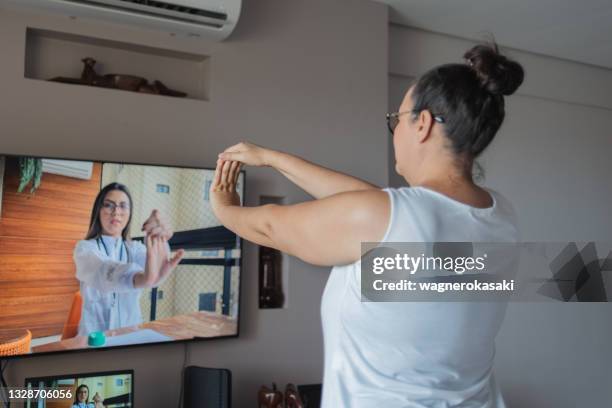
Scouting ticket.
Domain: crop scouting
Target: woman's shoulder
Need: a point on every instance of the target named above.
(404, 191)
(411, 196)
(417, 197)
(360, 202)
(85, 244)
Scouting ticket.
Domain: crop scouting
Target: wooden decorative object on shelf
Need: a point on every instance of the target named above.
(124, 82)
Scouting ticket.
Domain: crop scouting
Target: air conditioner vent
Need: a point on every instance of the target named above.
(171, 7)
(213, 19)
(160, 9)
(68, 168)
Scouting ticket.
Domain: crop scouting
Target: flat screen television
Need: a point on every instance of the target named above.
(112, 389)
(60, 287)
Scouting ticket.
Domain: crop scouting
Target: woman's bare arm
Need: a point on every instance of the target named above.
(328, 231)
(318, 181)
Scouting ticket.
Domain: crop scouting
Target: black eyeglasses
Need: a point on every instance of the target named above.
(111, 207)
(393, 119)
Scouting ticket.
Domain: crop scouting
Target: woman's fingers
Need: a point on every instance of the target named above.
(235, 148)
(165, 248)
(233, 172)
(178, 255)
(148, 242)
(154, 220)
(156, 225)
(153, 247)
(157, 232)
(217, 177)
(244, 152)
(161, 246)
(153, 262)
(170, 264)
(237, 156)
(225, 172)
(239, 147)
(225, 179)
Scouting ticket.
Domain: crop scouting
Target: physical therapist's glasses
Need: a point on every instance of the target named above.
(393, 119)
(110, 207)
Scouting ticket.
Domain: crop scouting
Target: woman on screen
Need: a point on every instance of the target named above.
(397, 354)
(113, 269)
(81, 397)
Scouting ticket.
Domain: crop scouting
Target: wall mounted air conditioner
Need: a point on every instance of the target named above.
(68, 168)
(212, 19)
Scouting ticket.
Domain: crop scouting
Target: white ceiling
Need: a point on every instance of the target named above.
(577, 30)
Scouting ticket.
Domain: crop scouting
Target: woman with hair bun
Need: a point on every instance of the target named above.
(394, 354)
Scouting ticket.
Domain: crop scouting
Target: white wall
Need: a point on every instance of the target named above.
(306, 76)
(552, 160)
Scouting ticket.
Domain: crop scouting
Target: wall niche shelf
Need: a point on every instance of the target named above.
(51, 54)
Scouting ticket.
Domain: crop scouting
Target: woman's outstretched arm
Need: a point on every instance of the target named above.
(318, 181)
(327, 232)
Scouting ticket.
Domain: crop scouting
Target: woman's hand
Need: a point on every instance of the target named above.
(318, 181)
(223, 188)
(168, 263)
(97, 400)
(158, 265)
(247, 153)
(157, 226)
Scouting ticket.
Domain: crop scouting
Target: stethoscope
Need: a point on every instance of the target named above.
(123, 246)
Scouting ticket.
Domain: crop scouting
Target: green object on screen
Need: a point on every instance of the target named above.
(30, 169)
(96, 339)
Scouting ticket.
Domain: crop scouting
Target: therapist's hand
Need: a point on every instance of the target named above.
(158, 264)
(157, 226)
(223, 188)
(97, 399)
(168, 263)
(247, 153)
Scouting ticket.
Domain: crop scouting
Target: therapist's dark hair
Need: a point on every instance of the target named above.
(95, 227)
(76, 394)
(470, 97)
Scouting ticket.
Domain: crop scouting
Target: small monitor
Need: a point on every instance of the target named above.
(111, 389)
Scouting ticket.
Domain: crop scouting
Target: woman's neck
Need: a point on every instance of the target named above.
(444, 177)
(463, 190)
(452, 178)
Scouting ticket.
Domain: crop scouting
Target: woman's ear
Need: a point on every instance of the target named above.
(424, 125)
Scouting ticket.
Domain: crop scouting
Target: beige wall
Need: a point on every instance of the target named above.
(551, 158)
(305, 76)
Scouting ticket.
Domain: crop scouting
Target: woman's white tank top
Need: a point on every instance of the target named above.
(415, 354)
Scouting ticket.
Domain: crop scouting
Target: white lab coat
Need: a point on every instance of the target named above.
(105, 268)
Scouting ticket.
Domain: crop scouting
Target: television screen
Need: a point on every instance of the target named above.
(71, 249)
(108, 390)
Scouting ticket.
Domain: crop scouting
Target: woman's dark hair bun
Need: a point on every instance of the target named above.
(497, 74)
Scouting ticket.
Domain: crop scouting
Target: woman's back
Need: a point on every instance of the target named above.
(415, 354)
